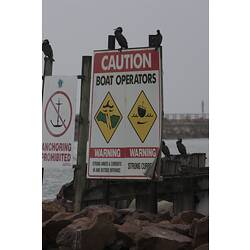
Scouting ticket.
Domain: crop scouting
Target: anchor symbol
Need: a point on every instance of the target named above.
(58, 125)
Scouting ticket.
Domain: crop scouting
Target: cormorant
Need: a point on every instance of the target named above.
(120, 38)
(47, 50)
(181, 147)
(165, 149)
(156, 40)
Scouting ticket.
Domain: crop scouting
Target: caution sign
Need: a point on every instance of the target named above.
(142, 116)
(108, 117)
(125, 114)
(59, 102)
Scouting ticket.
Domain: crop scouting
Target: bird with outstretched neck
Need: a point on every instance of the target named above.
(47, 50)
(181, 147)
(120, 38)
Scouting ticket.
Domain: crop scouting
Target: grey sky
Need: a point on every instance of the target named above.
(77, 27)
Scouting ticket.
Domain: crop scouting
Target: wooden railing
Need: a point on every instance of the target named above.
(175, 116)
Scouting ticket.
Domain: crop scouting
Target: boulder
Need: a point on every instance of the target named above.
(186, 217)
(52, 226)
(165, 207)
(203, 247)
(88, 233)
(117, 245)
(50, 208)
(154, 237)
(127, 232)
(141, 215)
(200, 231)
(94, 211)
(179, 228)
(121, 214)
(64, 248)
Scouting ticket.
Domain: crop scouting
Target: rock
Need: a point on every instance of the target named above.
(64, 248)
(52, 226)
(200, 231)
(165, 207)
(141, 215)
(121, 214)
(179, 228)
(66, 192)
(154, 237)
(186, 217)
(203, 247)
(94, 232)
(127, 231)
(117, 245)
(50, 208)
(94, 211)
(163, 216)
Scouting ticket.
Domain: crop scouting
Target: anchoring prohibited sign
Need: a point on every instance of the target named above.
(58, 120)
(58, 113)
(125, 113)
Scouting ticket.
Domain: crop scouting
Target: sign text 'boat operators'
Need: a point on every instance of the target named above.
(125, 113)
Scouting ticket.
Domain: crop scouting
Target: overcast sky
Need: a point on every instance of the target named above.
(77, 27)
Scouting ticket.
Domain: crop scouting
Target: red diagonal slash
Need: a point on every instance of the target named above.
(57, 113)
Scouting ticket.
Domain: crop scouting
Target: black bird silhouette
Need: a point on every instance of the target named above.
(47, 50)
(156, 40)
(120, 38)
(181, 147)
(165, 149)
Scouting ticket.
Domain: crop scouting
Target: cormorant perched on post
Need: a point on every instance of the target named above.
(165, 149)
(155, 40)
(120, 38)
(181, 147)
(47, 50)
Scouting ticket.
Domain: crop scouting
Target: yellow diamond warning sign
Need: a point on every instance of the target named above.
(142, 116)
(108, 117)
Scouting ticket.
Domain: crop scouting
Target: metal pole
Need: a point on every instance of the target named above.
(80, 181)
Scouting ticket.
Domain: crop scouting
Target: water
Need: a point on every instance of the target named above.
(55, 177)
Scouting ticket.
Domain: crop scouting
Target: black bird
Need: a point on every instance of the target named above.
(181, 147)
(120, 38)
(155, 40)
(165, 149)
(47, 50)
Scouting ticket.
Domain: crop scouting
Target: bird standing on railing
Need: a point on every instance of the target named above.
(47, 50)
(181, 147)
(156, 40)
(165, 149)
(120, 38)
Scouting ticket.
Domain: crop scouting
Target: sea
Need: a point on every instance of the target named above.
(55, 177)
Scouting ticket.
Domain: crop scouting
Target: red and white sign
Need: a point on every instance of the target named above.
(59, 101)
(125, 113)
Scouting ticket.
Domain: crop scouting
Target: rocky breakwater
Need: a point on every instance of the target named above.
(103, 227)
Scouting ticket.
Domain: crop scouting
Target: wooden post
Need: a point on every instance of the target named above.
(80, 180)
(47, 71)
(148, 203)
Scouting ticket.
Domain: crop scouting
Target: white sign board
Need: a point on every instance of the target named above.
(59, 105)
(125, 113)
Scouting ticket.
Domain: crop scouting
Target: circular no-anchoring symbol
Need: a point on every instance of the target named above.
(58, 114)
